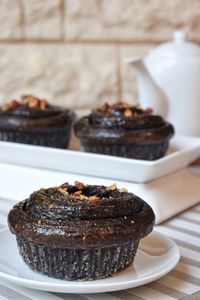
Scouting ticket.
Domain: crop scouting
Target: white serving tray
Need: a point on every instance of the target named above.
(167, 196)
(182, 151)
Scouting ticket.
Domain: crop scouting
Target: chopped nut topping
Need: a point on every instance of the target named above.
(76, 194)
(34, 103)
(112, 187)
(65, 185)
(51, 206)
(63, 191)
(125, 217)
(30, 100)
(43, 104)
(123, 190)
(79, 185)
(94, 198)
(83, 197)
(84, 237)
(120, 104)
(105, 106)
(13, 104)
(27, 98)
(128, 112)
(39, 222)
(149, 110)
(132, 222)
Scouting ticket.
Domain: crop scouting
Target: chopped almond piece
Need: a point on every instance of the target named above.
(94, 198)
(34, 102)
(51, 206)
(63, 191)
(14, 104)
(123, 190)
(105, 105)
(43, 104)
(26, 98)
(128, 112)
(149, 110)
(65, 185)
(112, 187)
(76, 194)
(79, 185)
(83, 197)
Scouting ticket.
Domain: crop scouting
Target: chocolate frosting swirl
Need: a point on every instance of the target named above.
(122, 121)
(123, 116)
(81, 215)
(32, 111)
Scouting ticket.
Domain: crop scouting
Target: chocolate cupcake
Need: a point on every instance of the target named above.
(124, 130)
(80, 232)
(35, 121)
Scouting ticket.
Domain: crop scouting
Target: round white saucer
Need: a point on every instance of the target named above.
(156, 256)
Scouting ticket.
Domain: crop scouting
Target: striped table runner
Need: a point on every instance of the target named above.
(181, 283)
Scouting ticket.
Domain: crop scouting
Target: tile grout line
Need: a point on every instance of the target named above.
(62, 20)
(22, 19)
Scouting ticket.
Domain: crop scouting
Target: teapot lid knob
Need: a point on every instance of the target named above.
(179, 36)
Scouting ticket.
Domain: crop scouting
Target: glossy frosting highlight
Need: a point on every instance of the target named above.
(81, 215)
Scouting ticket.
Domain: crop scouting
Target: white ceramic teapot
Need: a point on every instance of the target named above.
(169, 82)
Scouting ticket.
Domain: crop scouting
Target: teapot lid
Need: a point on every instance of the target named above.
(178, 47)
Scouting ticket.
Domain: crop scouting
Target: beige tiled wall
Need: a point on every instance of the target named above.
(73, 51)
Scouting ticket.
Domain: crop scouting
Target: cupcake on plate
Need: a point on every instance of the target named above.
(35, 121)
(80, 232)
(124, 130)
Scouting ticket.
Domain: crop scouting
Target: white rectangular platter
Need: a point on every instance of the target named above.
(167, 196)
(183, 150)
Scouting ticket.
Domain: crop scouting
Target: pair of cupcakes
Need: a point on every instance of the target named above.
(119, 129)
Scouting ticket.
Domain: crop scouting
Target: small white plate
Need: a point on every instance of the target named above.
(156, 256)
(182, 151)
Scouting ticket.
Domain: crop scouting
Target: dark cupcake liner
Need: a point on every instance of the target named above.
(58, 138)
(77, 264)
(150, 151)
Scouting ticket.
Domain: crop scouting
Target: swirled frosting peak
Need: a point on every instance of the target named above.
(81, 213)
(119, 115)
(29, 107)
(33, 111)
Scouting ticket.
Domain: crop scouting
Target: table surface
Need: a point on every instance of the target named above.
(181, 283)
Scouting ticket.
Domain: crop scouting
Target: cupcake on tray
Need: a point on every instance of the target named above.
(80, 232)
(124, 130)
(35, 121)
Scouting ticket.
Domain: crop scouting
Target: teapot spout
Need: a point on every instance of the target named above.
(149, 93)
